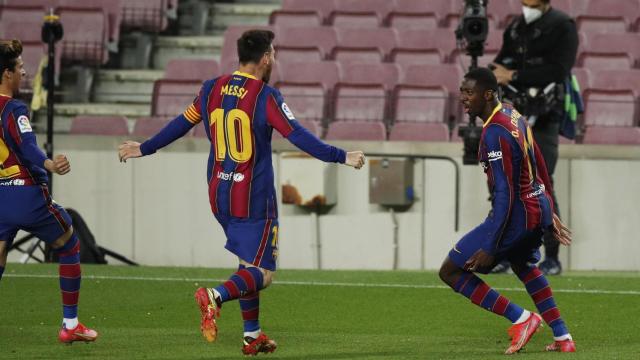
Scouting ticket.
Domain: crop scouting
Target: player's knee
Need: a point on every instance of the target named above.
(518, 268)
(62, 240)
(267, 278)
(3, 253)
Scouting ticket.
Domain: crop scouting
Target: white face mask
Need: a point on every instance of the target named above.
(531, 14)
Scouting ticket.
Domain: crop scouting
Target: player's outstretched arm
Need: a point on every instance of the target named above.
(561, 232)
(129, 150)
(59, 165)
(355, 159)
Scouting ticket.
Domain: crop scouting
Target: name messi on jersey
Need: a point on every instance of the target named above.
(234, 90)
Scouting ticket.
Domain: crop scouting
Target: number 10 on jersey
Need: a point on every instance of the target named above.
(233, 134)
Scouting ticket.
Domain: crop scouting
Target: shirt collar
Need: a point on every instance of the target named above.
(245, 75)
(495, 110)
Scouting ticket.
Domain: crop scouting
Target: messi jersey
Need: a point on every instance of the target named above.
(239, 113)
(21, 161)
(516, 175)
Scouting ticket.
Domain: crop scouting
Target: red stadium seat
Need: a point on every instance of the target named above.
(610, 107)
(359, 14)
(113, 9)
(172, 97)
(608, 16)
(148, 126)
(309, 43)
(612, 135)
(583, 76)
(356, 130)
(386, 74)
(307, 88)
(439, 41)
(411, 14)
(32, 54)
(85, 35)
(146, 15)
(615, 43)
(100, 125)
(192, 69)
(363, 45)
(502, 12)
(21, 22)
(606, 61)
(411, 131)
(294, 11)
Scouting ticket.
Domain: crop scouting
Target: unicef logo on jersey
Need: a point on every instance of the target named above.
(287, 111)
(237, 177)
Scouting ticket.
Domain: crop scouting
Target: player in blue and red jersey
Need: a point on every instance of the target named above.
(25, 202)
(239, 112)
(522, 210)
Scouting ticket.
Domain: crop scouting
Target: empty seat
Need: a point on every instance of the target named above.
(615, 44)
(610, 107)
(605, 61)
(301, 13)
(584, 77)
(412, 131)
(363, 45)
(386, 74)
(100, 125)
(307, 88)
(411, 14)
(423, 46)
(113, 9)
(85, 35)
(172, 97)
(612, 135)
(359, 14)
(21, 22)
(306, 43)
(191, 69)
(149, 126)
(356, 130)
(32, 54)
(146, 15)
(608, 16)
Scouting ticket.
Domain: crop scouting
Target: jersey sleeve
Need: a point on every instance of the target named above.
(281, 118)
(25, 138)
(193, 112)
(498, 142)
(541, 170)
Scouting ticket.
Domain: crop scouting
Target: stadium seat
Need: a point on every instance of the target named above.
(307, 88)
(615, 43)
(606, 61)
(146, 15)
(85, 33)
(172, 97)
(387, 74)
(32, 54)
(359, 14)
(192, 69)
(308, 43)
(100, 125)
(146, 127)
(612, 135)
(503, 12)
(301, 13)
(610, 107)
(363, 45)
(113, 9)
(21, 22)
(411, 14)
(423, 47)
(414, 131)
(356, 130)
(584, 77)
(608, 16)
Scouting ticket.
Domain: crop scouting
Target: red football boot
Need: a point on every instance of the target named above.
(209, 311)
(562, 346)
(261, 344)
(80, 333)
(521, 333)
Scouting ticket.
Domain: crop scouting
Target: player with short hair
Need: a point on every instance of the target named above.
(522, 210)
(25, 201)
(239, 112)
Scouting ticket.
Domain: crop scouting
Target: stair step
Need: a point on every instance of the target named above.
(125, 86)
(193, 47)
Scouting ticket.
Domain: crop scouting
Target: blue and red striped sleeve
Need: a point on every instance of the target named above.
(176, 128)
(280, 117)
(541, 171)
(498, 142)
(23, 136)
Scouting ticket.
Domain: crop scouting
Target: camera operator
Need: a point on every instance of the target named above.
(538, 51)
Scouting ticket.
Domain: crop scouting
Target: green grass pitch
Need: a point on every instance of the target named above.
(149, 313)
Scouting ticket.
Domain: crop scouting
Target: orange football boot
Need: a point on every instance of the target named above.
(79, 333)
(261, 344)
(562, 346)
(521, 333)
(209, 311)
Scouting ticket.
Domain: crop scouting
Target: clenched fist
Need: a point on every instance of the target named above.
(128, 150)
(59, 165)
(355, 159)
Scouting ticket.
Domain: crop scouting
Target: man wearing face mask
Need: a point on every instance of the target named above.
(538, 51)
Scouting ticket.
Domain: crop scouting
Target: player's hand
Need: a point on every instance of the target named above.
(480, 260)
(561, 232)
(355, 159)
(128, 150)
(59, 165)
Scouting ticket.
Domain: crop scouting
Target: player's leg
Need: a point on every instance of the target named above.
(472, 287)
(4, 251)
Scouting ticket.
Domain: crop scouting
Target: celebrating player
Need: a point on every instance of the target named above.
(25, 203)
(522, 210)
(239, 112)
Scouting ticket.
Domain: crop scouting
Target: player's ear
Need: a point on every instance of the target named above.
(489, 95)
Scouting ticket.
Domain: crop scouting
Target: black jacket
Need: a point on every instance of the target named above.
(542, 52)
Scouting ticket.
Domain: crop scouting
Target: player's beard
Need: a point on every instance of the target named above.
(267, 75)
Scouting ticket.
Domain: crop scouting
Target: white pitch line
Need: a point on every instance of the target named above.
(321, 283)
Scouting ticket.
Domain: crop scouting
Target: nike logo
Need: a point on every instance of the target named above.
(456, 249)
(86, 337)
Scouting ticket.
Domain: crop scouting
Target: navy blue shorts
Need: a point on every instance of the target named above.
(516, 246)
(252, 240)
(30, 208)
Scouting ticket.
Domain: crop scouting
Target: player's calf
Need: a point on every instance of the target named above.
(3, 256)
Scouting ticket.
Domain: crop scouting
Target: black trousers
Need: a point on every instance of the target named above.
(546, 132)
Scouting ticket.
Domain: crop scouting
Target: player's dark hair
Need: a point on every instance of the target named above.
(485, 79)
(10, 50)
(253, 44)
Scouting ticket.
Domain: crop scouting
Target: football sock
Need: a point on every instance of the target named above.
(563, 337)
(70, 323)
(525, 315)
(69, 269)
(484, 296)
(244, 282)
(540, 291)
(250, 306)
(1, 271)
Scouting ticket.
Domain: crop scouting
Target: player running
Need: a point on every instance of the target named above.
(239, 112)
(522, 210)
(25, 202)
